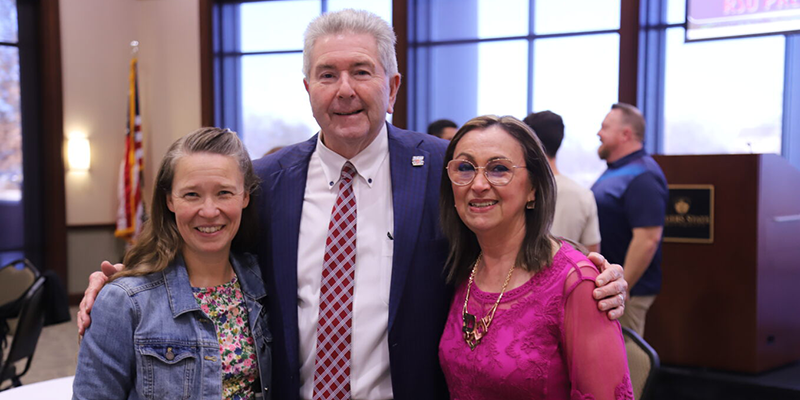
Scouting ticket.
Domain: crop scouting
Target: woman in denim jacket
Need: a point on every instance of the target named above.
(186, 318)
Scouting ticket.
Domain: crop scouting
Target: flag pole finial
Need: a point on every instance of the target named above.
(134, 46)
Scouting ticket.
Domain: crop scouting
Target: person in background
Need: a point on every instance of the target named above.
(443, 128)
(523, 323)
(576, 210)
(632, 201)
(368, 190)
(187, 316)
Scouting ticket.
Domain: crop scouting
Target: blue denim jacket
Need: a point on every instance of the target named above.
(150, 340)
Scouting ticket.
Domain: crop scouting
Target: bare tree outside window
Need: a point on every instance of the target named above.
(8, 21)
(10, 116)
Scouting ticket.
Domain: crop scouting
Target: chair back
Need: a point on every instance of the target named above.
(29, 327)
(15, 279)
(643, 363)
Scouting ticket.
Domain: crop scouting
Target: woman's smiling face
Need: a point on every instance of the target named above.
(207, 198)
(484, 207)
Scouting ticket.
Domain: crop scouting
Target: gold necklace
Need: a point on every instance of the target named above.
(473, 332)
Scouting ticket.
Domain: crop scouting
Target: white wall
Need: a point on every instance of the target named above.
(96, 52)
(95, 55)
(169, 37)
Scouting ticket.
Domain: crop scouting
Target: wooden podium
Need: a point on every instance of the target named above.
(733, 302)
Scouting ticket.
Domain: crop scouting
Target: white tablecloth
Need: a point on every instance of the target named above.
(55, 389)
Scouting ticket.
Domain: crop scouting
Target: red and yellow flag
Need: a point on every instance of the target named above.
(130, 214)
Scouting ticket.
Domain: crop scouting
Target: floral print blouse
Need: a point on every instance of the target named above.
(225, 306)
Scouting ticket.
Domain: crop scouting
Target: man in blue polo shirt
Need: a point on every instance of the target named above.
(631, 200)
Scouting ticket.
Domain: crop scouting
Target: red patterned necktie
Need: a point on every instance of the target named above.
(332, 362)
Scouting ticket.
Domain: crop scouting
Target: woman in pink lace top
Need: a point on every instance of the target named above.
(523, 323)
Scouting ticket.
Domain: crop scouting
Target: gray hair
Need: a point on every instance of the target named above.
(352, 21)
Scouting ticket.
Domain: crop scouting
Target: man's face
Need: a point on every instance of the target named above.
(448, 133)
(349, 91)
(611, 136)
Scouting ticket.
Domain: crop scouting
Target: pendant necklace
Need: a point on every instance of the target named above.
(475, 329)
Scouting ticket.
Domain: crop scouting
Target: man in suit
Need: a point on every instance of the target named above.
(399, 297)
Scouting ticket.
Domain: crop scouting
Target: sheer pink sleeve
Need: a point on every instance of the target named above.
(595, 349)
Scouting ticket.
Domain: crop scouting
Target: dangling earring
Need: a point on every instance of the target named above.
(530, 205)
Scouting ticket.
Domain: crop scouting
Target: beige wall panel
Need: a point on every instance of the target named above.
(170, 66)
(96, 53)
(87, 248)
(96, 36)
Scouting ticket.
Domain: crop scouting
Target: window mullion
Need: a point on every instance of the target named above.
(228, 90)
(651, 66)
(790, 141)
(531, 55)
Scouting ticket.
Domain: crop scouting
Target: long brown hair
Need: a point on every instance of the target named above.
(536, 249)
(160, 242)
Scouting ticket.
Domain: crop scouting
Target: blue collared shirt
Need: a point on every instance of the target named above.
(631, 193)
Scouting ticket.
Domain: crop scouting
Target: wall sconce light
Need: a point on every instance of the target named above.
(78, 152)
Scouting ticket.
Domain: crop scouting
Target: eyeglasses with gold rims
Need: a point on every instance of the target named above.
(498, 172)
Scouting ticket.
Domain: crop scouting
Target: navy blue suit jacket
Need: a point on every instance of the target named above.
(419, 298)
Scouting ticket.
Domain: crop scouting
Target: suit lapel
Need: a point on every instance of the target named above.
(288, 191)
(408, 195)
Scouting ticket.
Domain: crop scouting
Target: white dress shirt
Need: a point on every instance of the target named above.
(369, 362)
(576, 212)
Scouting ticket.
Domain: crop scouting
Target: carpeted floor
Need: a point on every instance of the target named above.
(56, 353)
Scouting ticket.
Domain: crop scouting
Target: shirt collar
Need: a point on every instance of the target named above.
(246, 268)
(630, 157)
(179, 290)
(367, 162)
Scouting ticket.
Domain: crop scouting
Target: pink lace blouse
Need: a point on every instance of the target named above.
(548, 340)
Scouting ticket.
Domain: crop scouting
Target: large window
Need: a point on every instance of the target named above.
(32, 210)
(259, 61)
(10, 115)
(577, 78)
(512, 57)
(717, 97)
(11, 207)
(723, 97)
(475, 57)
